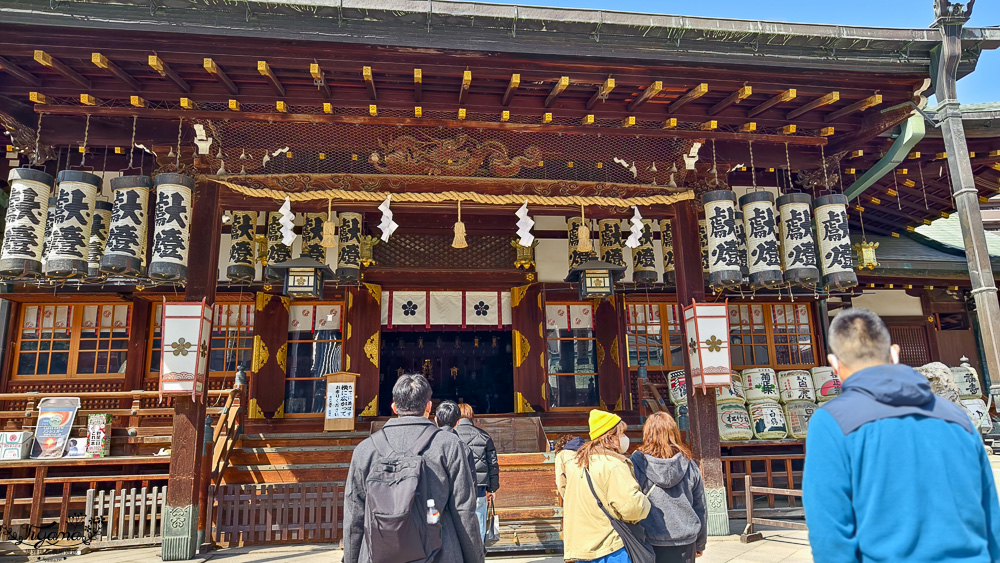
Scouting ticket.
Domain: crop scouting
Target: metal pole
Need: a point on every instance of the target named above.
(950, 19)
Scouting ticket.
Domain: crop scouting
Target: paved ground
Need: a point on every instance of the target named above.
(778, 546)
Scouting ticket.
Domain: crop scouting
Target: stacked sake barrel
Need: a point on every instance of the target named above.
(730, 406)
(970, 393)
(765, 412)
(826, 383)
(798, 395)
(677, 380)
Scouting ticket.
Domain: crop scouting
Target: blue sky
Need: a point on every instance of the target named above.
(979, 87)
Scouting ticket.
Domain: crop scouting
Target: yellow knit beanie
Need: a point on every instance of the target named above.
(601, 422)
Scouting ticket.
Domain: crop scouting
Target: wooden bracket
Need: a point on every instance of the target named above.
(418, 85)
(648, 94)
(602, 93)
(691, 95)
(860, 105)
(515, 81)
(366, 75)
(48, 60)
(557, 90)
(782, 97)
(100, 61)
(319, 79)
(734, 98)
(19, 72)
(824, 100)
(463, 90)
(265, 70)
(158, 64)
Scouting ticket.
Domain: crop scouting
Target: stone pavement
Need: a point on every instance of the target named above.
(778, 546)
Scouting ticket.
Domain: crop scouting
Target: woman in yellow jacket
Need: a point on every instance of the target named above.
(587, 532)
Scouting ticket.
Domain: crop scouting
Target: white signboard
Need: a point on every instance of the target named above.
(340, 400)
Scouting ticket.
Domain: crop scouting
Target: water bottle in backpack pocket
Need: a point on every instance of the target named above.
(402, 525)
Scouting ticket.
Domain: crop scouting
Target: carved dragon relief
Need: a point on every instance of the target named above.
(457, 156)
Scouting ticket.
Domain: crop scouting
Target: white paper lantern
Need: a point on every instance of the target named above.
(797, 415)
(798, 243)
(768, 421)
(98, 237)
(172, 224)
(24, 233)
(760, 384)
(277, 251)
(644, 257)
(186, 329)
(836, 257)
(796, 385)
(243, 233)
(734, 422)
(706, 329)
(723, 239)
(312, 237)
(761, 227)
(349, 255)
(71, 224)
(825, 382)
(124, 253)
(667, 243)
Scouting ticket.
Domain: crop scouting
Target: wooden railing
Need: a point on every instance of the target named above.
(225, 434)
(749, 535)
(770, 470)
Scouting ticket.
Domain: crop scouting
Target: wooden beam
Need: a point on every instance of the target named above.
(100, 61)
(158, 64)
(38, 98)
(557, 90)
(418, 85)
(789, 129)
(220, 75)
(366, 75)
(860, 105)
(691, 95)
(648, 94)
(319, 79)
(602, 93)
(413, 122)
(265, 70)
(19, 72)
(463, 90)
(824, 100)
(734, 98)
(48, 60)
(515, 81)
(780, 98)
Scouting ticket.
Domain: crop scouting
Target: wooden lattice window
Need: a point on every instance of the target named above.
(422, 252)
(654, 336)
(571, 355)
(72, 340)
(774, 335)
(913, 347)
(231, 344)
(793, 340)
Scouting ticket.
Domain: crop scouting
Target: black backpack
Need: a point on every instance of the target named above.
(396, 528)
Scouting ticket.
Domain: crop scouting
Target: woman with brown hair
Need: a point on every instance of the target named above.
(677, 525)
(588, 534)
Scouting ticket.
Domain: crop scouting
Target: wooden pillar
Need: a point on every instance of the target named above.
(361, 345)
(963, 183)
(612, 363)
(181, 533)
(704, 432)
(138, 345)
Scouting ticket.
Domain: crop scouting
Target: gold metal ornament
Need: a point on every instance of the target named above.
(525, 255)
(368, 242)
(866, 255)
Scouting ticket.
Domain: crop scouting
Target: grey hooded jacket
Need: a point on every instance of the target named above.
(452, 486)
(678, 515)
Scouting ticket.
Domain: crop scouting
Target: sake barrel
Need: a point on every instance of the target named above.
(825, 383)
(760, 384)
(797, 415)
(678, 387)
(977, 411)
(731, 394)
(768, 421)
(796, 385)
(968, 382)
(734, 422)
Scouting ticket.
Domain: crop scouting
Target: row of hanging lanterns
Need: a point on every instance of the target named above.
(73, 235)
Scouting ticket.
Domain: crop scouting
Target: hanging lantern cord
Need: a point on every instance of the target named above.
(788, 166)
(105, 165)
(899, 196)
(753, 173)
(38, 140)
(714, 169)
(826, 179)
(180, 129)
(923, 186)
(131, 147)
(861, 216)
(86, 135)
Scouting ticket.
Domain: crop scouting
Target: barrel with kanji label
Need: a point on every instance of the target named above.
(825, 383)
(24, 231)
(677, 380)
(967, 381)
(796, 385)
(797, 415)
(734, 422)
(768, 421)
(733, 393)
(172, 228)
(71, 224)
(124, 252)
(760, 384)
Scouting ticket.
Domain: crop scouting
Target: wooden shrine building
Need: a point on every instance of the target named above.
(445, 119)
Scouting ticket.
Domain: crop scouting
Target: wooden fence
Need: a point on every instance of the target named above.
(248, 514)
(125, 518)
(770, 470)
(749, 535)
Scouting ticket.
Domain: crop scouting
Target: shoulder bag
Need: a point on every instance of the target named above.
(633, 535)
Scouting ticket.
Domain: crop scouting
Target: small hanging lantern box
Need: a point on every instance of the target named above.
(596, 278)
(187, 328)
(706, 327)
(303, 277)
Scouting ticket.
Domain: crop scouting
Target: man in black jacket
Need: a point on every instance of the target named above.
(485, 456)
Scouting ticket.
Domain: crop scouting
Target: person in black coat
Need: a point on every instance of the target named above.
(485, 455)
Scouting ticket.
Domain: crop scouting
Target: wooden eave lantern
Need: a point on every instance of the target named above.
(186, 330)
(706, 326)
(303, 277)
(596, 278)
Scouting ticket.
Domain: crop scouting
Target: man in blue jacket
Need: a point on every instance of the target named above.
(893, 473)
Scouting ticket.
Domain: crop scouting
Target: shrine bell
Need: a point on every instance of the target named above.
(303, 277)
(596, 278)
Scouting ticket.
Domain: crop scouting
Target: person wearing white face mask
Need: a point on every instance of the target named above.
(588, 533)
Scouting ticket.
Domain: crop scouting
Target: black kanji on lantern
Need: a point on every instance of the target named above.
(727, 253)
(840, 256)
(350, 229)
(803, 254)
(797, 225)
(72, 206)
(350, 254)
(19, 240)
(762, 223)
(125, 239)
(169, 243)
(767, 253)
(835, 228)
(70, 242)
(23, 205)
(127, 206)
(242, 226)
(170, 209)
(723, 222)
